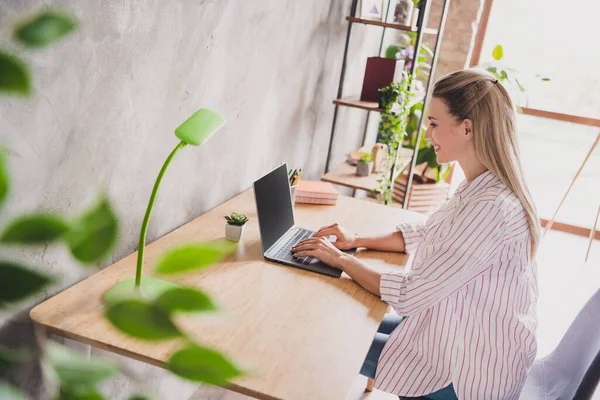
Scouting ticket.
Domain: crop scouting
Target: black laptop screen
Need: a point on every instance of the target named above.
(274, 206)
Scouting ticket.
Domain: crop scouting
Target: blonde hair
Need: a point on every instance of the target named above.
(478, 96)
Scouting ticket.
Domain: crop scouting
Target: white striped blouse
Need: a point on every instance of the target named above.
(469, 295)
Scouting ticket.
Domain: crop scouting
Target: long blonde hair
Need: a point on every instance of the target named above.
(478, 96)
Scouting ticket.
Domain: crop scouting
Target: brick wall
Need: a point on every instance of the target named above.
(459, 34)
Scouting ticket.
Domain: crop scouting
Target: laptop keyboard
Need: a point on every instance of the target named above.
(284, 253)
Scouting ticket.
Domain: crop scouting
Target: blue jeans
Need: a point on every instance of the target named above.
(389, 323)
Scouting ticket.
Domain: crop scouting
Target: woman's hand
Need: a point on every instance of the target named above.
(344, 240)
(320, 248)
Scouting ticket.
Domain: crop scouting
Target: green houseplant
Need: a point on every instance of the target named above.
(195, 131)
(395, 106)
(235, 226)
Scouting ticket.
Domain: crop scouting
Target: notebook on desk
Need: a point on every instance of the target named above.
(278, 231)
(316, 192)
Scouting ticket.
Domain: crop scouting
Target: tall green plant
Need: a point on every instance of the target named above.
(394, 103)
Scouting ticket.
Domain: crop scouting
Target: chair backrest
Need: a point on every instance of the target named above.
(590, 381)
(565, 368)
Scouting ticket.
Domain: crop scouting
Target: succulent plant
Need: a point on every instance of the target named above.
(366, 158)
(236, 219)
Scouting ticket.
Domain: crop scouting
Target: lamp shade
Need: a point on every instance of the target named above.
(198, 128)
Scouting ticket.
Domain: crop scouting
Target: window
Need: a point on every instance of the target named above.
(558, 39)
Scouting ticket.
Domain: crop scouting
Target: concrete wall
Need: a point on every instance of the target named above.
(108, 98)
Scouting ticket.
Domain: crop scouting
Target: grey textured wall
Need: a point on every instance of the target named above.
(108, 98)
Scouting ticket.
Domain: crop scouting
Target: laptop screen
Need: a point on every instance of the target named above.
(274, 206)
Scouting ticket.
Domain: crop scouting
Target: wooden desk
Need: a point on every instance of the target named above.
(306, 335)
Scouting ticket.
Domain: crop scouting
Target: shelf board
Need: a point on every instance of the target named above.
(345, 174)
(355, 102)
(427, 31)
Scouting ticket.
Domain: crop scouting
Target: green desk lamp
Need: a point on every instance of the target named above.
(196, 130)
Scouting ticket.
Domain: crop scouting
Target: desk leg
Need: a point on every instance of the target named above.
(41, 338)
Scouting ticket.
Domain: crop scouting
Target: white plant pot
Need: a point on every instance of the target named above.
(234, 232)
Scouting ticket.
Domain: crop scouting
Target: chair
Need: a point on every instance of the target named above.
(572, 370)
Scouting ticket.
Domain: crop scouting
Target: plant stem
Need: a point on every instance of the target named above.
(142, 244)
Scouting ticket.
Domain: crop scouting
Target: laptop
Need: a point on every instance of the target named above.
(278, 231)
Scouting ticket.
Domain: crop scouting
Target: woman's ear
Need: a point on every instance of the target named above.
(468, 129)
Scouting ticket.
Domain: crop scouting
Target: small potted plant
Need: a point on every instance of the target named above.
(365, 165)
(236, 223)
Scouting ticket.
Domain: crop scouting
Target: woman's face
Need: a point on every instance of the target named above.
(451, 139)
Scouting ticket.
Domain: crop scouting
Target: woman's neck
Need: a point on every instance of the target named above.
(472, 168)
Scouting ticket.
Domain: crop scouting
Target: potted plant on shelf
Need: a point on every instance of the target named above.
(365, 165)
(236, 224)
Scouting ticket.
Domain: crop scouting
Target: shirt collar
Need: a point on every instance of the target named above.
(479, 182)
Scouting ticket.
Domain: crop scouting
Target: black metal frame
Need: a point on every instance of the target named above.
(421, 22)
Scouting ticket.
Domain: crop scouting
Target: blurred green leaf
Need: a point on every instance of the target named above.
(392, 50)
(504, 76)
(34, 229)
(44, 28)
(79, 393)
(142, 320)
(521, 87)
(18, 282)
(10, 358)
(542, 77)
(94, 234)
(4, 181)
(139, 397)
(200, 364)
(194, 256)
(9, 392)
(76, 370)
(492, 69)
(497, 53)
(184, 299)
(14, 77)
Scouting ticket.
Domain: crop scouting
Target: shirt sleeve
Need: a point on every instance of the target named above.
(448, 264)
(412, 232)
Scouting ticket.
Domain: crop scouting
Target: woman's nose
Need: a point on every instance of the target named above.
(428, 134)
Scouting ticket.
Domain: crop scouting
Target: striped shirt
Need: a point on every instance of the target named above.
(469, 295)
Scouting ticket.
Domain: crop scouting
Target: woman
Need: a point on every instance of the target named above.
(470, 292)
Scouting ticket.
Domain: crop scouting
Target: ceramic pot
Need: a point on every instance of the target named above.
(234, 232)
(364, 169)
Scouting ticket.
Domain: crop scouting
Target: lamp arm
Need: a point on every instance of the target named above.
(142, 243)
